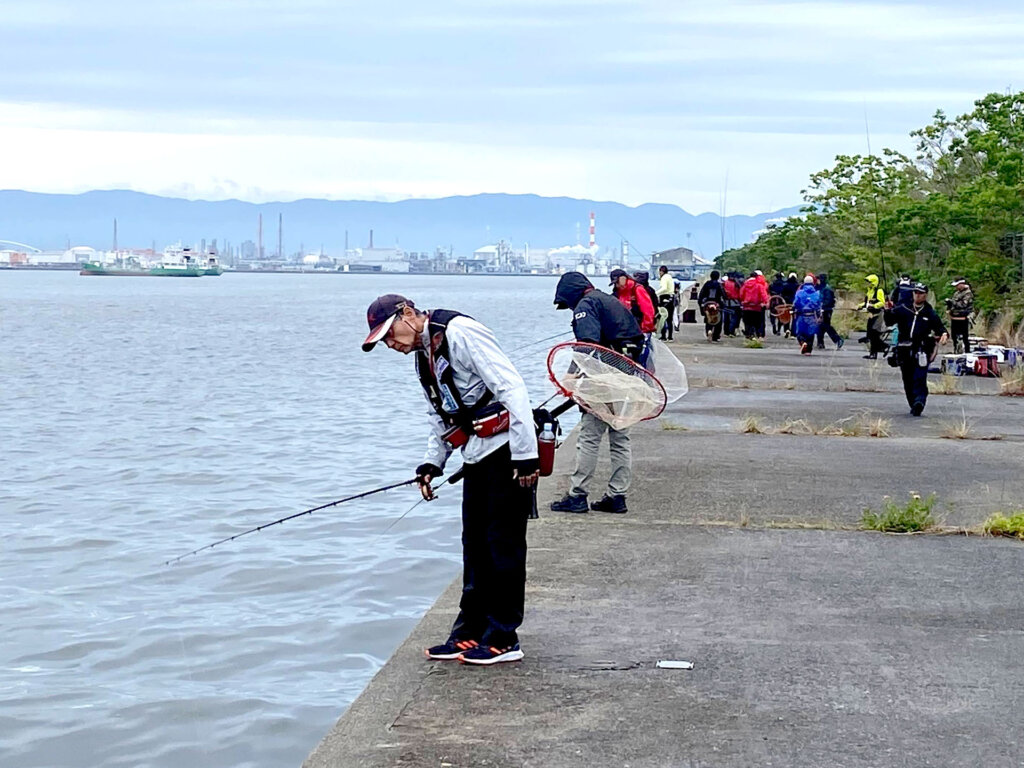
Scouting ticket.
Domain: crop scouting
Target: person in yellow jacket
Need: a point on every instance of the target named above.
(874, 303)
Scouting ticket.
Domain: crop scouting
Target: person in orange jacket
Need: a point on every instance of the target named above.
(753, 300)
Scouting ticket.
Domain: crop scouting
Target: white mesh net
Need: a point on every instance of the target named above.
(669, 370)
(607, 384)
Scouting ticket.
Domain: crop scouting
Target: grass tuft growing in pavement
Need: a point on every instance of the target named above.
(915, 515)
(1013, 382)
(668, 426)
(753, 344)
(879, 427)
(947, 384)
(753, 425)
(1011, 525)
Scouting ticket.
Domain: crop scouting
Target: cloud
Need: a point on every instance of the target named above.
(639, 99)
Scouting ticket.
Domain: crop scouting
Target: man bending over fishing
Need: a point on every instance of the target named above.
(600, 319)
(477, 402)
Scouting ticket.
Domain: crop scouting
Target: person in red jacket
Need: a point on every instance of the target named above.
(637, 300)
(753, 300)
(634, 297)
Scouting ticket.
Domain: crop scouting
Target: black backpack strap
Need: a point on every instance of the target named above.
(437, 326)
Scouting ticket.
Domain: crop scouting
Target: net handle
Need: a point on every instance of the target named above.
(584, 346)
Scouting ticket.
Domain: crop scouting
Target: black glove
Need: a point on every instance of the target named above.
(525, 467)
(429, 469)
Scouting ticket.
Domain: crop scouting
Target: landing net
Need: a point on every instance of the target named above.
(669, 370)
(611, 386)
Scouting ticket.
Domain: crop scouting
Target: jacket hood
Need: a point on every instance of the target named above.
(571, 288)
(873, 280)
(807, 288)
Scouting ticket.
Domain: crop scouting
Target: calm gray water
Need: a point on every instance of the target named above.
(145, 418)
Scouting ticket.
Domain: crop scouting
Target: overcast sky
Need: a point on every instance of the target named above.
(627, 100)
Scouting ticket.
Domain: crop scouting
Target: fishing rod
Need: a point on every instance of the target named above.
(554, 414)
(258, 528)
(874, 196)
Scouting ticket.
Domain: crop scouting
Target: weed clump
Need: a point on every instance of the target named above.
(1012, 383)
(948, 384)
(915, 515)
(753, 425)
(1011, 525)
(753, 344)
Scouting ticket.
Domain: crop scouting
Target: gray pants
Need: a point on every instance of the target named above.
(587, 445)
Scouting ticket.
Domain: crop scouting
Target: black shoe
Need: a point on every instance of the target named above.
(485, 655)
(839, 344)
(821, 346)
(862, 340)
(450, 650)
(570, 503)
(616, 504)
(871, 357)
(917, 409)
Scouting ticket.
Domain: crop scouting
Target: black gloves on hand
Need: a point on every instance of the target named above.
(429, 469)
(525, 467)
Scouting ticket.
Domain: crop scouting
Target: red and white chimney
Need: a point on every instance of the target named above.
(593, 241)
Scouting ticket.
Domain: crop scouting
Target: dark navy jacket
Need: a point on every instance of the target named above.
(828, 297)
(597, 317)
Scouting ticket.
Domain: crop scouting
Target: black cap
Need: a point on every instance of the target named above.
(920, 288)
(615, 274)
(381, 316)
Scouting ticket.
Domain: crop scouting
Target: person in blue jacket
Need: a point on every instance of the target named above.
(806, 315)
(828, 306)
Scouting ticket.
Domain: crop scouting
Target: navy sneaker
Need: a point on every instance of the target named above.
(611, 503)
(487, 654)
(451, 649)
(839, 344)
(917, 409)
(570, 503)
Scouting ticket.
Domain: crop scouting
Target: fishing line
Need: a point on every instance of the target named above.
(539, 341)
(258, 528)
(450, 481)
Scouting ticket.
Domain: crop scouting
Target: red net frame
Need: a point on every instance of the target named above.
(609, 385)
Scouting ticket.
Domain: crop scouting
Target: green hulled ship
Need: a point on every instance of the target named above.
(176, 262)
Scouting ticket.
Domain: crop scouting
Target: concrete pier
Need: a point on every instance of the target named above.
(814, 643)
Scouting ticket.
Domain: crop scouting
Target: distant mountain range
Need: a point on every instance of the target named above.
(51, 221)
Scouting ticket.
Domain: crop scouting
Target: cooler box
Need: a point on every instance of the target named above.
(986, 365)
(954, 365)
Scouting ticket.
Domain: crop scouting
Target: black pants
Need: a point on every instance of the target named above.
(494, 513)
(776, 323)
(960, 330)
(669, 304)
(875, 344)
(752, 321)
(915, 379)
(715, 330)
(826, 327)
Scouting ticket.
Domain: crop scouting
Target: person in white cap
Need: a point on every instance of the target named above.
(477, 401)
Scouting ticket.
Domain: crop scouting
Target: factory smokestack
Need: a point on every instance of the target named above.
(593, 241)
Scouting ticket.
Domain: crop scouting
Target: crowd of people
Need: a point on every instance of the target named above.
(738, 304)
